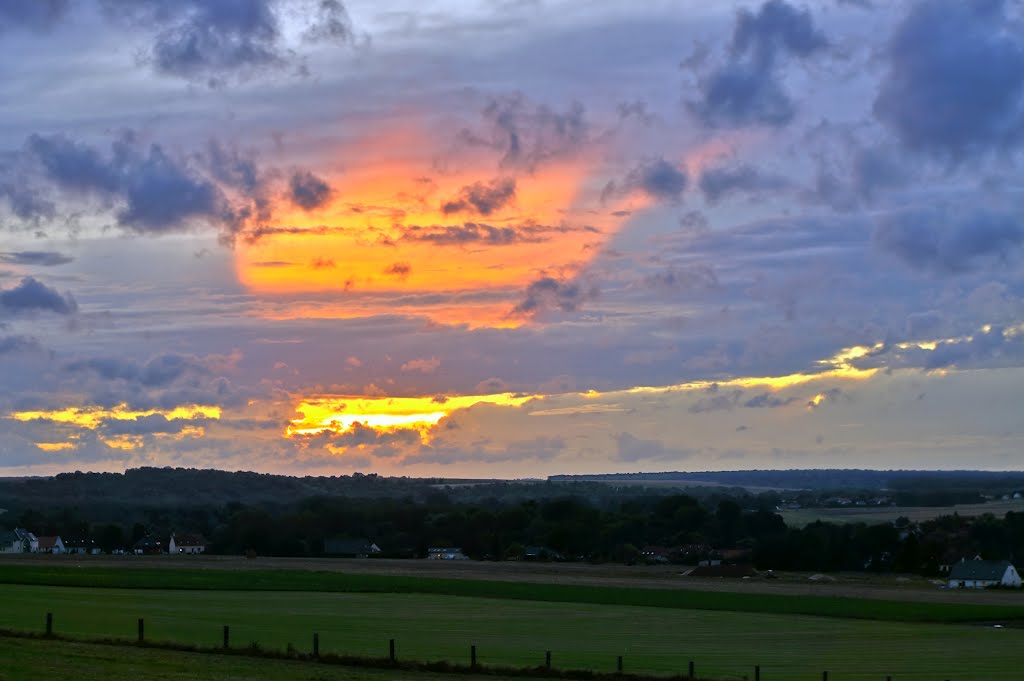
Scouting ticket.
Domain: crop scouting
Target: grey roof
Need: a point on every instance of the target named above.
(987, 570)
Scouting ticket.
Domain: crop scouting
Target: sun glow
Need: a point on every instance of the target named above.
(398, 229)
(338, 414)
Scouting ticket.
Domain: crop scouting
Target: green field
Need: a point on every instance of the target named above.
(517, 632)
(30, 660)
(340, 582)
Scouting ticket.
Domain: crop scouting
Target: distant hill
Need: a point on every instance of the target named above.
(818, 479)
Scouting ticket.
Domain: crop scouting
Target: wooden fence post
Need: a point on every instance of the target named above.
(757, 672)
(49, 624)
(691, 669)
(824, 676)
(142, 630)
(316, 644)
(391, 649)
(618, 665)
(472, 655)
(547, 659)
(227, 636)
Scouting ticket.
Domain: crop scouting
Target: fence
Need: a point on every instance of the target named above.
(547, 669)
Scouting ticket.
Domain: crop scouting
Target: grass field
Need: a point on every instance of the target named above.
(30, 660)
(341, 582)
(884, 514)
(516, 632)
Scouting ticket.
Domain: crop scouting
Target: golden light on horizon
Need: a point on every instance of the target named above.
(338, 414)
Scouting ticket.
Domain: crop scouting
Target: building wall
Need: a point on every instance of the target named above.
(1011, 578)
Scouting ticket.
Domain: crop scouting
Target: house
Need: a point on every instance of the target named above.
(31, 541)
(350, 548)
(51, 545)
(186, 544)
(978, 574)
(446, 554)
(147, 546)
(10, 542)
(81, 547)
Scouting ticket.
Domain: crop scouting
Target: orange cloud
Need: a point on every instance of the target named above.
(396, 225)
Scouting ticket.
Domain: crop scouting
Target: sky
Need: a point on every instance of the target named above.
(511, 238)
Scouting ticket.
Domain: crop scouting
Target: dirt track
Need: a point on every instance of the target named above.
(854, 585)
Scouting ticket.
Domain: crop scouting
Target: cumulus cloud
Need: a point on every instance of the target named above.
(31, 295)
(659, 179)
(38, 258)
(748, 89)
(307, 191)
(948, 242)
(210, 41)
(482, 198)
(548, 293)
(955, 79)
(152, 190)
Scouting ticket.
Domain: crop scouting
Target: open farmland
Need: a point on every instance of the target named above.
(882, 514)
(28, 660)
(516, 631)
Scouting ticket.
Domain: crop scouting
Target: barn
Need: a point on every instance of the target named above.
(979, 574)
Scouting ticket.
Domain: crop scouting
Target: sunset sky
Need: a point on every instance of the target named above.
(511, 238)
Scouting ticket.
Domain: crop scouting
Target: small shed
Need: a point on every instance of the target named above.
(979, 574)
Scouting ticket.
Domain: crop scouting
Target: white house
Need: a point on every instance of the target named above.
(31, 541)
(186, 543)
(978, 574)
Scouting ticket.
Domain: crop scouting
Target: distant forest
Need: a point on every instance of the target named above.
(579, 520)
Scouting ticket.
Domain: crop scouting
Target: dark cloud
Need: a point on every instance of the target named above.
(657, 178)
(948, 242)
(39, 258)
(307, 191)
(479, 233)
(36, 15)
(747, 89)
(151, 424)
(955, 82)
(232, 168)
(715, 402)
(672, 279)
(16, 344)
(25, 201)
(212, 40)
(548, 293)
(527, 135)
(32, 295)
(483, 198)
(715, 183)
(332, 23)
(769, 401)
(152, 190)
(398, 269)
